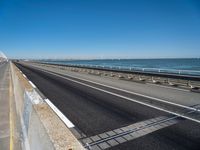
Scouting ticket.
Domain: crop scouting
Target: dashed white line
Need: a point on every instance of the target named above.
(67, 122)
(33, 85)
(127, 98)
(24, 76)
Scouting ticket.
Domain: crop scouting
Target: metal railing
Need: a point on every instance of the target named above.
(148, 70)
(159, 76)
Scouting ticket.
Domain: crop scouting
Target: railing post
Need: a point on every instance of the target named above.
(189, 84)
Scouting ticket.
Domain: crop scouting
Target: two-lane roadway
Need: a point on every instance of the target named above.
(95, 111)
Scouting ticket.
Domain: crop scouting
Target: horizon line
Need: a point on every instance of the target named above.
(71, 59)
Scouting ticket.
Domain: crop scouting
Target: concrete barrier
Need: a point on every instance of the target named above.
(41, 128)
(165, 79)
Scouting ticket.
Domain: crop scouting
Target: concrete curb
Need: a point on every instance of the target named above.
(41, 128)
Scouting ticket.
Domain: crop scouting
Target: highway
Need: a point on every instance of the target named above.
(94, 109)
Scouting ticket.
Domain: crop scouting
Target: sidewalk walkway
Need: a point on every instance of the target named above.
(4, 107)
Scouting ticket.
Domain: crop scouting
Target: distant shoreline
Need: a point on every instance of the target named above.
(167, 63)
(109, 59)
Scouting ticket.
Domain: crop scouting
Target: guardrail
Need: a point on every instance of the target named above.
(151, 70)
(178, 80)
(140, 71)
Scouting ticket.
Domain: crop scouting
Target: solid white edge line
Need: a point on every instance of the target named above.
(33, 85)
(180, 115)
(124, 97)
(67, 122)
(167, 87)
(138, 94)
(130, 99)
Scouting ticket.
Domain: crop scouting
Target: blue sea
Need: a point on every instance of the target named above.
(177, 64)
(189, 66)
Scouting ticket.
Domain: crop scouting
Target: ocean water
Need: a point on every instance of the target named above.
(192, 64)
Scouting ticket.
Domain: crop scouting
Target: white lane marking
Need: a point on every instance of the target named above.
(67, 122)
(24, 76)
(133, 100)
(20, 71)
(33, 85)
(134, 93)
(167, 87)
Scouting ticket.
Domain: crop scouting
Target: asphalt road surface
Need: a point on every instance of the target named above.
(94, 112)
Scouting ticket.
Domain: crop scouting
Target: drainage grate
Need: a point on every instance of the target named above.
(112, 138)
(124, 134)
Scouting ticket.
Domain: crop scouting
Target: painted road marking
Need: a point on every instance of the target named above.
(133, 100)
(24, 76)
(167, 87)
(130, 92)
(67, 122)
(33, 85)
(134, 93)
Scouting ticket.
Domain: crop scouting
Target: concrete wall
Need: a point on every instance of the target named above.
(41, 128)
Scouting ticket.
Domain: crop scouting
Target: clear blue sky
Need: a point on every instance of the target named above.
(100, 28)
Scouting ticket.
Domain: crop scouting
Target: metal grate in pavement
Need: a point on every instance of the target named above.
(112, 138)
